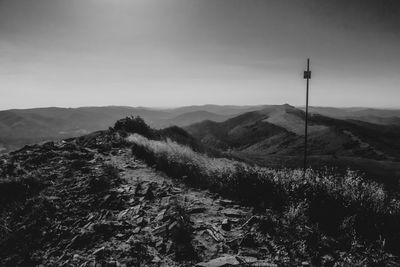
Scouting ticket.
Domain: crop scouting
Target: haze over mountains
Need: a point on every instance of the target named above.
(251, 128)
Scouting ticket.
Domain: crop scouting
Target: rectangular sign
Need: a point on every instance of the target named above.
(307, 74)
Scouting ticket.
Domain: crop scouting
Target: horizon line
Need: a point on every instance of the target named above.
(201, 105)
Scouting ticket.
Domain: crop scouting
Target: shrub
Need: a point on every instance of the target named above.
(134, 125)
(182, 234)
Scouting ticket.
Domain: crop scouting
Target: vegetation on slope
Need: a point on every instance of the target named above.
(274, 137)
(347, 207)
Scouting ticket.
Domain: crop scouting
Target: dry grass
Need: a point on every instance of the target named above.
(175, 152)
(326, 198)
(351, 187)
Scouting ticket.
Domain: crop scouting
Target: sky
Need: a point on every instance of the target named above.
(166, 53)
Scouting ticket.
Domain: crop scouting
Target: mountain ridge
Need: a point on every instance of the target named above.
(274, 136)
(19, 127)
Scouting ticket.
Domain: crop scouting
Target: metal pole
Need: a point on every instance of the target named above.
(307, 76)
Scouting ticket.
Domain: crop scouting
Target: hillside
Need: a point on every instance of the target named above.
(109, 209)
(19, 127)
(280, 130)
(196, 116)
(226, 110)
(28, 126)
(377, 116)
(274, 136)
(109, 198)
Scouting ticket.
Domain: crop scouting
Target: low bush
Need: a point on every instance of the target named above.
(134, 125)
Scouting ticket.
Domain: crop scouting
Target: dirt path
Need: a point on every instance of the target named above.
(99, 207)
(218, 225)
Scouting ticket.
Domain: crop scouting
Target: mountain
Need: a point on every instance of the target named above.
(19, 127)
(238, 132)
(377, 116)
(280, 130)
(274, 136)
(196, 116)
(219, 109)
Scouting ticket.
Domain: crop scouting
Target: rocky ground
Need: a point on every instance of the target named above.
(89, 202)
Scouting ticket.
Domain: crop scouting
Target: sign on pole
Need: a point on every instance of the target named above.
(307, 75)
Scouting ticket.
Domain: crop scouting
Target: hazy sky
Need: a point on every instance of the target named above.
(180, 52)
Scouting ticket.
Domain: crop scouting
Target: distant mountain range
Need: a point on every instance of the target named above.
(377, 116)
(274, 136)
(23, 126)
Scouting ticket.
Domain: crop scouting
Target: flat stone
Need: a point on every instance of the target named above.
(195, 210)
(226, 202)
(234, 213)
(98, 251)
(220, 262)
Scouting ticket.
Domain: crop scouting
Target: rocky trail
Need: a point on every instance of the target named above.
(219, 227)
(86, 203)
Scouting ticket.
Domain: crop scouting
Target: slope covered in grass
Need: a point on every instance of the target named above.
(347, 207)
